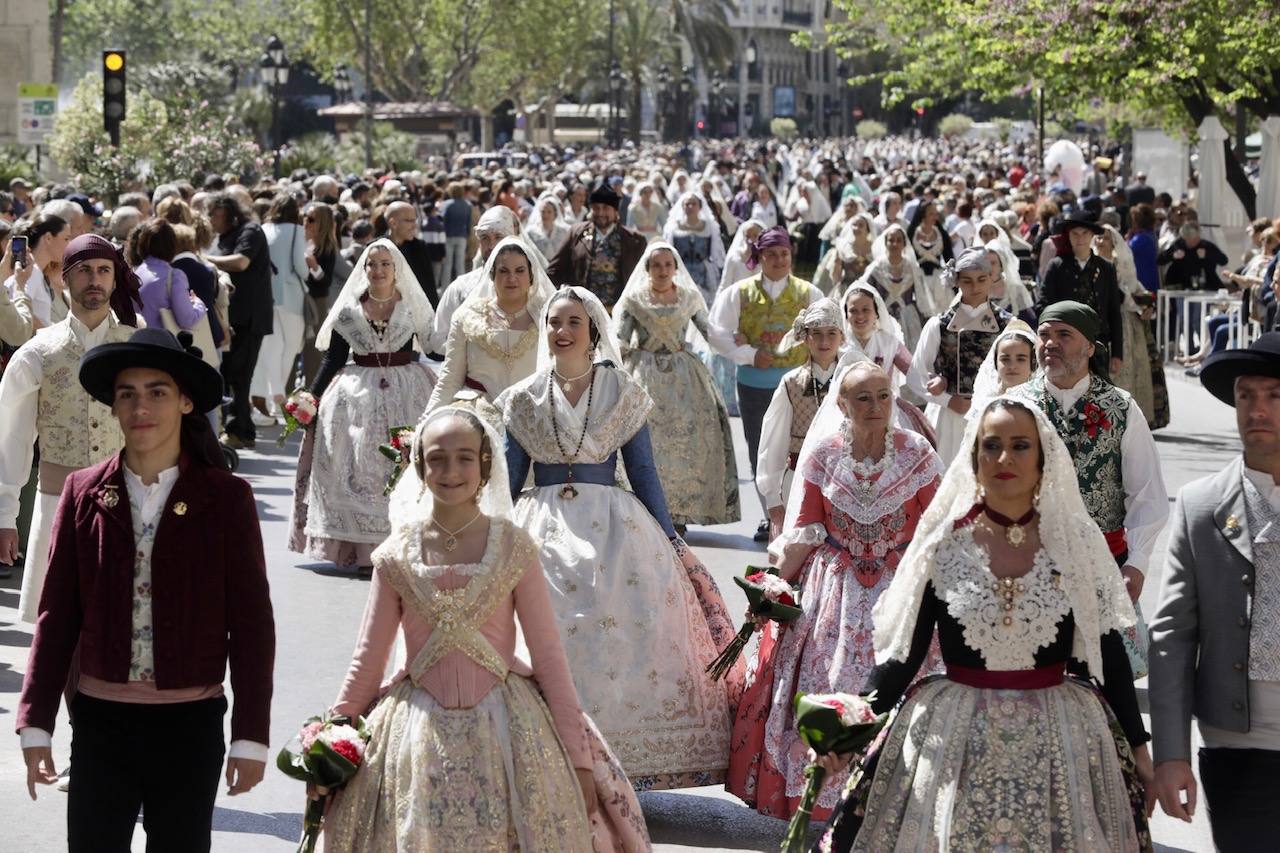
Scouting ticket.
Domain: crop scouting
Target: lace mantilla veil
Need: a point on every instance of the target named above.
(540, 288)
(637, 288)
(606, 348)
(825, 461)
(1096, 591)
(357, 285)
(411, 501)
(988, 385)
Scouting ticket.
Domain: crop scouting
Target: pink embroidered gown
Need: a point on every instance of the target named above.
(472, 748)
(860, 525)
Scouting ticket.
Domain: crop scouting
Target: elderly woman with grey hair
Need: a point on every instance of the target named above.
(123, 220)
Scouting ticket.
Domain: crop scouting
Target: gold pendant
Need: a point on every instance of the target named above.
(451, 544)
(568, 492)
(1015, 535)
(567, 386)
(110, 497)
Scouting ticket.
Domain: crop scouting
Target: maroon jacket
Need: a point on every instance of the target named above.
(210, 600)
(572, 265)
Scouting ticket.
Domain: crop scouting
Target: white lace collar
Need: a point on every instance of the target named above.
(1006, 638)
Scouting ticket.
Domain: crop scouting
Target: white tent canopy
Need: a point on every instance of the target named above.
(1222, 216)
(1269, 179)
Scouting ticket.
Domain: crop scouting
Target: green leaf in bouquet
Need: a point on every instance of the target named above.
(762, 606)
(820, 727)
(390, 452)
(329, 768)
(293, 765)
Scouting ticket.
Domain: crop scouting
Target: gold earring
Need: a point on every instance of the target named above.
(1035, 497)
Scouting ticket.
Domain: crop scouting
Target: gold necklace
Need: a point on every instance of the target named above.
(451, 544)
(566, 382)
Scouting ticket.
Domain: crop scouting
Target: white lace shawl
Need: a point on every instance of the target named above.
(619, 408)
(1069, 538)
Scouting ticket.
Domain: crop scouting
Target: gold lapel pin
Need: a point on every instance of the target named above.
(110, 497)
(1233, 525)
(180, 508)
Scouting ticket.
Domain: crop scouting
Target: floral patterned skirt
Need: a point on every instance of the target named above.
(494, 777)
(340, 513)
(964, 768)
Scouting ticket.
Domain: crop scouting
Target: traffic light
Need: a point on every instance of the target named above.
(113, 72)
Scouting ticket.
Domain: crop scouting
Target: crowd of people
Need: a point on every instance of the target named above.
(947, 375)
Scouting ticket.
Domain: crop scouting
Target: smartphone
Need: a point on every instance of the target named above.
(18, 246)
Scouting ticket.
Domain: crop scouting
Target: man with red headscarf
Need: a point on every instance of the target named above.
(748, 322)
(41, 399)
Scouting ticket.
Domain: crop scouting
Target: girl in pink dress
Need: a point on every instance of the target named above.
(864, 486)
(471, 747)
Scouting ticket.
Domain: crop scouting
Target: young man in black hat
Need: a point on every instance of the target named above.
(600, 253)
(157, 577)
(1215, 640)
(1085, 277)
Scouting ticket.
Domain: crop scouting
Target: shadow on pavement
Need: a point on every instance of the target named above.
(286, 826)
(711, 822)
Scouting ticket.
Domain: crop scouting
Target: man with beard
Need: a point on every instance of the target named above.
(41, 399)
(1116, 461)
(600, 253)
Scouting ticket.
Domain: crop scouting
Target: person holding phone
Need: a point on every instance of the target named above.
(37, 247)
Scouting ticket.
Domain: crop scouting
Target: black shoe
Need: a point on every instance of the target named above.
(6, 572)
(762, 532)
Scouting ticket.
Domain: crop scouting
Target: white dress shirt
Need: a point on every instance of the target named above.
(726, 312)
(775, 442)
(1146, 501)
(19, 402)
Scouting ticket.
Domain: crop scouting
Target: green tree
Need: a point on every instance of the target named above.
(704, 25)
(1181, 59)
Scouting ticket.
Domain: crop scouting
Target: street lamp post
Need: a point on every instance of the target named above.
(686, 86)
(748, 73)
(275, 74)
(717, 105)
(664, 84)
(615, 90)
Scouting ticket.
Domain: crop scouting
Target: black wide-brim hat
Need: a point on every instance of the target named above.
(1221, 370)
(157, 349)
(1078, 218)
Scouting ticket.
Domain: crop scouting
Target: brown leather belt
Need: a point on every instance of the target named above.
(385, 359)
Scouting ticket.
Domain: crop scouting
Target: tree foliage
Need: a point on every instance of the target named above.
(1180, 59)
(955, 124)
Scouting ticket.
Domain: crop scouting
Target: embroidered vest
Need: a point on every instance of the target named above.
(1092, 431)
(960, 354)
(804, 404)
(75, 430)
(1264, 627)
(760, 316)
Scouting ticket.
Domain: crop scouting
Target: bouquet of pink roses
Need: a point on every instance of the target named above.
(330, 751)
(768, 596)
(299, 411)
(829, 723)
(396, 448)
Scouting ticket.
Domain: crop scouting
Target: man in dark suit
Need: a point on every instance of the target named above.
(600, 253)
(1084, 277)
(402, 229)
(1138, 192)
(1213, 639)
(242, 252)
(156, 580)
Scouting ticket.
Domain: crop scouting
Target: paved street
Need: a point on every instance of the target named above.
(318, 611)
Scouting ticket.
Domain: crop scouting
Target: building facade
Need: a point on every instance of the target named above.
(28, 53)
(776, 79)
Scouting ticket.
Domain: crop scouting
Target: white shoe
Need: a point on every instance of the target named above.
(261, 420)
(64, 781)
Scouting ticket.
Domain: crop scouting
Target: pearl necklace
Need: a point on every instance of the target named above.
(865, 470)
(566, 382)
(379, 300)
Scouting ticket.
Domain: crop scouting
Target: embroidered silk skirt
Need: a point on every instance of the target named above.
(965, 768)
(491, 779)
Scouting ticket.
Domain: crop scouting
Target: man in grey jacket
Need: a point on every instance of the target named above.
(1215, 642)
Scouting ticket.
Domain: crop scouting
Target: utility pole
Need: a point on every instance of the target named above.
(368, 84)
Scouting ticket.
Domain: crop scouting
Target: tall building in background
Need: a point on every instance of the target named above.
(775, 79)
(28, 57)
